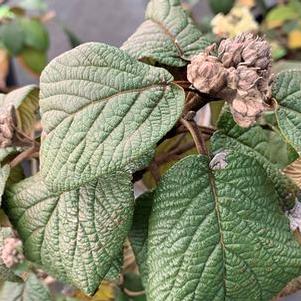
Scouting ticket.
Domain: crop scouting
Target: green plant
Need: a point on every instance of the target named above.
(24, 35)
(219, 224)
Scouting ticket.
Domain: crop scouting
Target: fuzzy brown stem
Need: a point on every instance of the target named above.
(196, 134)
(30, 152)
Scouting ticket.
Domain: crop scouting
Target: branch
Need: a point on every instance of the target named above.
(30, 152)
(196, 135)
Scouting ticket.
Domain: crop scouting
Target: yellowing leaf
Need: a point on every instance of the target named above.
(294, 39)
(105, 292)
(4, 67)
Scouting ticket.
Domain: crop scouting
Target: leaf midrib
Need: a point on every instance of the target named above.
(219, 220)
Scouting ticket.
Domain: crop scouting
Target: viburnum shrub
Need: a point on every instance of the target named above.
(220, 219)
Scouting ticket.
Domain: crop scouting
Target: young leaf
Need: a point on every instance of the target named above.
(102, 111)
(26, 102)
(6, 274)
(168, 35)
(287, 92)
(31, 290)
(75, 235)
(259, 143)
(219, 234)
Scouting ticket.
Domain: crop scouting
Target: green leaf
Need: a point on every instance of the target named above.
(74, 235)
(26, 102)
(33, 60)
(259, 143)
(6, 274)
(102, 111)
(218, 6)
(139, 231)
(219, 234)
(32, 290)
(287, 92)
(36, 35)
(12, 37)
(168, 35)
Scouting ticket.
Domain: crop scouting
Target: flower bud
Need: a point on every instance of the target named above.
(207, 74)
(246, 109)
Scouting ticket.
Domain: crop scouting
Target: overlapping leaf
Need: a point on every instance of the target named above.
(75, 235)
(31, 290)
(168, 35)
(139, 231)
(265, 146)
(26, 102)
(287, 92)
(219, 234)
(102, 111)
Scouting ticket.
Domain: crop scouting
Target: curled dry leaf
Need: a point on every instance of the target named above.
(293, 171)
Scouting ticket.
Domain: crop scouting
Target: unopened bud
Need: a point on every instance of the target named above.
(12, 252)
(246, 109)
(207, 74)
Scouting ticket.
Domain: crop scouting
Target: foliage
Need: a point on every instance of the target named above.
(24, 35)
(214, 222)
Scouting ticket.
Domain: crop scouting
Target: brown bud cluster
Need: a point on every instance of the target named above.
(240, 73)
(12, 253)
(7, 126)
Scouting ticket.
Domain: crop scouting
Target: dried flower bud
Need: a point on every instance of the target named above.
(230, 53)
(245, 49)
(247, 79)
(7, 126)
(246, 109)
(240, 74)
(12, 252)
(207, 74)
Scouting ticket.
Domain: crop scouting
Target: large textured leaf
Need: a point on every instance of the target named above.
(26, 101)
(139, 231)
(219, 234)
(102, 111)
(4, 168)
(74, 235)
(265, 146)
(31, 290)
(287, 92)
(168, 35)
(6, 274)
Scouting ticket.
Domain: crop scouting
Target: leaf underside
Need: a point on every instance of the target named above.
(75, 235)
(287, 92)
(168, 35)
(218, 235)
(102, 111)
